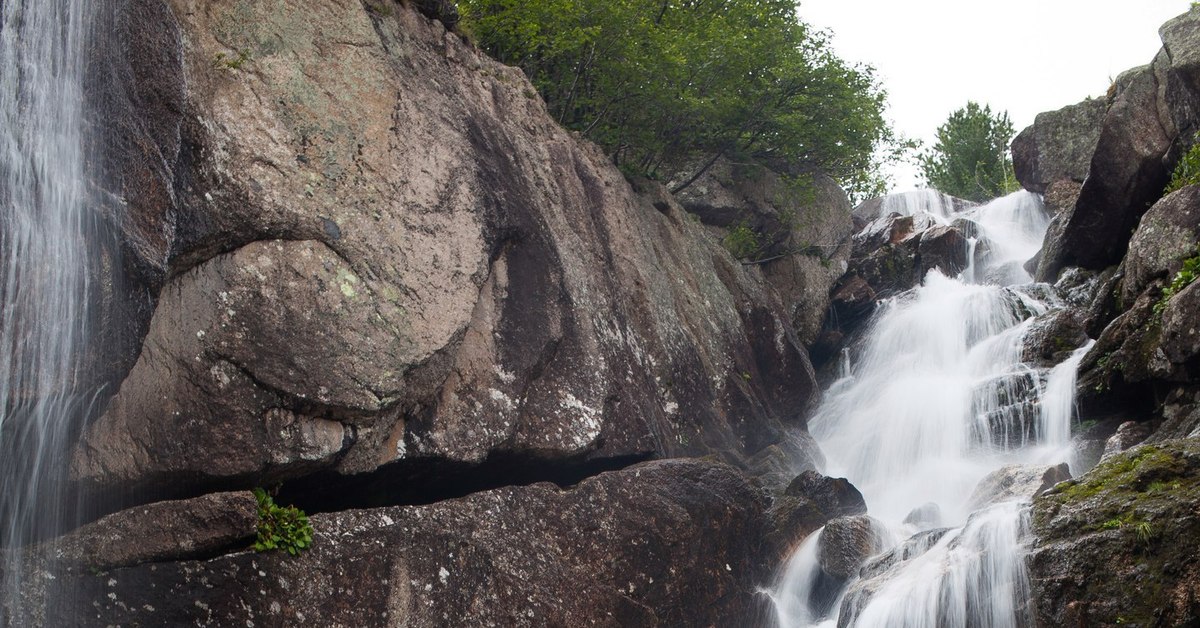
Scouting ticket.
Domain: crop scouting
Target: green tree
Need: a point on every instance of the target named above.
(667, 86)
(970, 159)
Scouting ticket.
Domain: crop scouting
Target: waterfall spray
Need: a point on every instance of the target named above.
(939, 399)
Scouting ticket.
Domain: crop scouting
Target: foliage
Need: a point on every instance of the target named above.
(970, 159)
(1186, 275)
(281, 528)
(1187, 171)
(666, 86)
(742, 242)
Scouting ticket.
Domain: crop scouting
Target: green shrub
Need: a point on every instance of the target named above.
(1187, 171)
(1182, 279)
(281, 528)
(742, 242)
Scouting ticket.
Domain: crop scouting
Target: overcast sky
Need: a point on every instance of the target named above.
(1022, 56)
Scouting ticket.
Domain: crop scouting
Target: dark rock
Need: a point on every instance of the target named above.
(1126, 356)
(1058, 145)
(444, 11)
(163, 531)
(1126, 176)
(1053, 337)
(846, 543)
(1123, 541)
(1016, 483)
(943, 248)
(671, 543)
(1078, 287)
(1180, 415)
(809, 502)
(1167, 234)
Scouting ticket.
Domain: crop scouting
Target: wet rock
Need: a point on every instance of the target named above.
(670, 543)
(1016, 483)
(845, 545)
(1053, 337)
(1058, 145)
(909, 204)
(809, 502)
(163, 531)
(1167, 234)
(1121, 542)
(1126, 176)
(1078, 287)
(943, 248)
(874, 574)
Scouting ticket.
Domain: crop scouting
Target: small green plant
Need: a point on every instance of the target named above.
(742, 242)
(281, 528)
(1187, 171)
(1144, 532)
(1111, 524)
(224, 62)
(1182, 279)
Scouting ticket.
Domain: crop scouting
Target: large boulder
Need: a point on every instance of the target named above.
(810, 501)
(1058, 146)
(386, 253)
(670, 543)
(1126, 176)
(1121, 545)
(846, 543)
(1166, 235)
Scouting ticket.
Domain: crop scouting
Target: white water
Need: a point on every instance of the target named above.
(45, 252)
(938, 399)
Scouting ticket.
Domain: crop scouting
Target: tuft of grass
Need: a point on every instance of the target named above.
(1184, 278)
(1187, 171)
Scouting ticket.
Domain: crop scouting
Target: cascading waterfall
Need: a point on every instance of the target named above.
(47, 248)
(938, 399)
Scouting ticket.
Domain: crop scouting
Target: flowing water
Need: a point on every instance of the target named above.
(46, 251)
(937, 399)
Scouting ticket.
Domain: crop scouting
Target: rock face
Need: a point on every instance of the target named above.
(1167, 234)
(802, 222)
(1058, 145)
(1119, 545)
(1126, 175)
(384, 252)
(648, 546)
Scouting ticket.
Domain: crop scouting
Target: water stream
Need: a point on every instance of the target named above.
(938, 398)
(46, 251)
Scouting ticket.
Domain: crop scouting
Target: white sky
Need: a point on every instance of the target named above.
(1022, 56)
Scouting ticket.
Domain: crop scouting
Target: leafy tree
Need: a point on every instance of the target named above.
(970, 159)
(668, 86)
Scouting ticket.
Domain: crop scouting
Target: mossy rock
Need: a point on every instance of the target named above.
(1121, 544)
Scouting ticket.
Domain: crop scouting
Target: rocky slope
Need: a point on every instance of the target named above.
(367, 269)
(1114, 547)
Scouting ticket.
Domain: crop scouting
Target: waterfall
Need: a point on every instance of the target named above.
(47, 248)
(937, 399)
